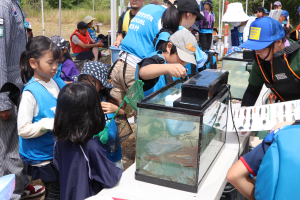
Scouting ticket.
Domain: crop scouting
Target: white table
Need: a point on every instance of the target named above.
(211, 187)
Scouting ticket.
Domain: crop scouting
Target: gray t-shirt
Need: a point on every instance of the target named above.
(75, 39)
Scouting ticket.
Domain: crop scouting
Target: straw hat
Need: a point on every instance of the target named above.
(235, 13)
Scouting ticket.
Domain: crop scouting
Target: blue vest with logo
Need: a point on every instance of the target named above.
(40, 148)
(142, 30)
(112, 136)
(278, 174)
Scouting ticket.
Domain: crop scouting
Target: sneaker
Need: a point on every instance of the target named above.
(32, 191)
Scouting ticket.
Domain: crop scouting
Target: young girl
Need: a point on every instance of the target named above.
(66, 67)
(176, 53)
(95, 73)
(36, 111)
(206, 31)
(81, 160)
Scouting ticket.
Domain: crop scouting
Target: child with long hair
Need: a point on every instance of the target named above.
(38, 66)
(95, 73)
(83, 166)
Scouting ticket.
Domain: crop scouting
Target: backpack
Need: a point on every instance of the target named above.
(278, 177)
(104, 40)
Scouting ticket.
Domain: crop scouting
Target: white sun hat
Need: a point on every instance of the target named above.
(235, 13)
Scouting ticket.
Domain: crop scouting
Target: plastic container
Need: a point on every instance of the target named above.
(7, 186)
(238, 77)
(176, 146)
(114, 53)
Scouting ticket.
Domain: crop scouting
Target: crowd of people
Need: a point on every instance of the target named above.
(50, 133)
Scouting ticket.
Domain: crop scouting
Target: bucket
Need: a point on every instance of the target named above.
(7, 186)
(114, 53)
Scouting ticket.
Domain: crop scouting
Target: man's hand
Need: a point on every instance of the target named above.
(177, 70)
(100, 44)
(5, 114)
(117, 43)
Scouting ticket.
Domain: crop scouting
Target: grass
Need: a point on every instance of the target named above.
(69, 21)
(70, 15)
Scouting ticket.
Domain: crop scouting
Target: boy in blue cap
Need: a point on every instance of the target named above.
(276, 61)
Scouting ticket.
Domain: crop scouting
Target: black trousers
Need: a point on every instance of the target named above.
(52, 190)
(205, 40)
(87, 55)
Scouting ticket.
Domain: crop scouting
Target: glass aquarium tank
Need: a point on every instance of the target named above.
(175, 145)
(238, 74)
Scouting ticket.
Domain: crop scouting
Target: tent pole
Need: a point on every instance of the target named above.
(59, 17)
(246, 7)
(113, 10)
(220, 32)
(93, 8)
(43, 17)
(263, 5)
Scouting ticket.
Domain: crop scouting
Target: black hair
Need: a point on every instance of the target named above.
(169, 2)
(164, 47)
(35, 48)
(171, 19)
(79, 115)
(287, 34)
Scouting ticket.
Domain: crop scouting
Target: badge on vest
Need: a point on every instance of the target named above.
(281, 76)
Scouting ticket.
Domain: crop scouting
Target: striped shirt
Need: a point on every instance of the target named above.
(12, 43)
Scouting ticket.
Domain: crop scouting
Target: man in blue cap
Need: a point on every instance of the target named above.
(276, 61)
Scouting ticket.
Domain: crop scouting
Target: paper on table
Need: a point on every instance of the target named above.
(256, 118)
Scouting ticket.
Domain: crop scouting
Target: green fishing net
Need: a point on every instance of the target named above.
(134, 94)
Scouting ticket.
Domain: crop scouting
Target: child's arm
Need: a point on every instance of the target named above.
(155, 70)
(27, 129)
(111, 108)
(239, 176)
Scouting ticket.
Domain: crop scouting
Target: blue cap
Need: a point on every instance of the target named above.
(263, 32)
(164, 36)
(285, 13)
(298, 10)
(267, 12)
